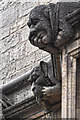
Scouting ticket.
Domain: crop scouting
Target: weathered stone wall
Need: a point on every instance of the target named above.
(17, 55)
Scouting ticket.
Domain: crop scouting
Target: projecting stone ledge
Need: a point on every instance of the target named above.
(25, 110)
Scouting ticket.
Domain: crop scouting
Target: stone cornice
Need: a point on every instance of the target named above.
(27, 109)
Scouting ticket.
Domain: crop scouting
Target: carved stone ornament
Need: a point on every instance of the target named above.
(44, 86)
(53, 25)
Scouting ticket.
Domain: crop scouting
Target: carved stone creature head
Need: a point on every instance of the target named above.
(53, 25)
(39, 78)
(40, 28)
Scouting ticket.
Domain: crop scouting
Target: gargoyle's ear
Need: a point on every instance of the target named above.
(44, 68)
(46, 13)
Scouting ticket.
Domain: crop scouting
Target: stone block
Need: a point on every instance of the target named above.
(24, 33)
(13, 28)
(9, 42)
(4, 33)
(25, 7)
(19, 65)
(44, 54)
(4, 59)
(38, 55)
(9, 16)
(30, 48)
(21, 22)
(3, 74)
(5, 4)
(9, 72)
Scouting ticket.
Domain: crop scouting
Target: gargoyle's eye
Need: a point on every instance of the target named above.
(35, 21)
(33, 77)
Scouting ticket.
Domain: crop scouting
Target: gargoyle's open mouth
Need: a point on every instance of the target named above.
(39, 38)
(32, 37)
(35, 35)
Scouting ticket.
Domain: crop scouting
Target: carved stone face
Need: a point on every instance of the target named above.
(35, 74)
(39, 24)
(39, 79)
(36, 81)
(53, 26)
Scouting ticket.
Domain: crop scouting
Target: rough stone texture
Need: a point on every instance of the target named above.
(17, 55)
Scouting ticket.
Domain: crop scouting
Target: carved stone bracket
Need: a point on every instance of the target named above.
(53, 25)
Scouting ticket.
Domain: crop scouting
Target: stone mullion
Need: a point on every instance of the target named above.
(73, 106)
(64, 84)
(71, 87)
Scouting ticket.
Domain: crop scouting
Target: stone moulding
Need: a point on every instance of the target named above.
(25, 110)
(70, 54)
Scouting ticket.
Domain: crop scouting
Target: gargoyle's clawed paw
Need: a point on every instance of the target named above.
(59, 38)
(60, 35)
(46, 90)
(45, 40)
(38, 40)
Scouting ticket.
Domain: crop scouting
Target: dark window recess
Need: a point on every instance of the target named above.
(78, 90)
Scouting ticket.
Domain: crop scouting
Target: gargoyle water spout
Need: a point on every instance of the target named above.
(51, 26)
(44, 86)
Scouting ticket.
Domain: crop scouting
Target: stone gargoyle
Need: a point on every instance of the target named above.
(53, 25)
(45, 87)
